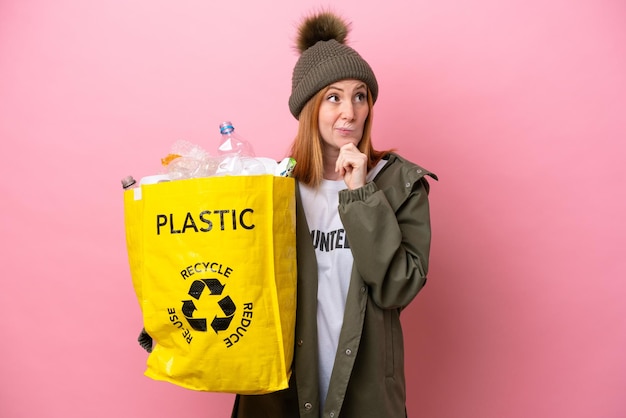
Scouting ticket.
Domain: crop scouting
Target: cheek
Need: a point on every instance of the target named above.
(363, 110)
(325, 120)
(363, 116)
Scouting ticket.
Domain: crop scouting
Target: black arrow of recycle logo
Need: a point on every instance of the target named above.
(226, 304)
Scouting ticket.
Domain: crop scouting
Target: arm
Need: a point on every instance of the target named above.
(390, 247)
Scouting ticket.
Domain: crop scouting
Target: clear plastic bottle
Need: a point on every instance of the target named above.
(232, 143)
(237, 154)
(129, 182)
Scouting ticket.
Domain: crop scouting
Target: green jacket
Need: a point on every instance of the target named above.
(387, 223)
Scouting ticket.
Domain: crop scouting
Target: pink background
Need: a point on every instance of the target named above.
(518, 106)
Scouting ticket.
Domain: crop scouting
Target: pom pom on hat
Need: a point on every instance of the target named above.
(322, 27)
(325, 59)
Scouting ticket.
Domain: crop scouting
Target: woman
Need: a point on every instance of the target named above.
(363, 240)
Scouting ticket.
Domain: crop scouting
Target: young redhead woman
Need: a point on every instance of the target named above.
(363, 242)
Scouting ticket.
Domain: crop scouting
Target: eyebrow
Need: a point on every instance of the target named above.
(362, 85)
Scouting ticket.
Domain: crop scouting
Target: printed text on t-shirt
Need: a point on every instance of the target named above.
(329, 241)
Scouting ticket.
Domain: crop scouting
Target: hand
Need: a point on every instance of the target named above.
(352, 166)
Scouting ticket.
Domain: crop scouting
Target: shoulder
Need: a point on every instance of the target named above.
(400, 169)
(400, 179)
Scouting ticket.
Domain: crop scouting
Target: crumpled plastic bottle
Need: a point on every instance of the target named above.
(232, 143)
(237, 153)
(188, 160)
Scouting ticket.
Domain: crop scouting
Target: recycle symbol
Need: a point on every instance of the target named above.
(226, 304)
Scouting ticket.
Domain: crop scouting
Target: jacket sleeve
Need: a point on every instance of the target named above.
(390, 245)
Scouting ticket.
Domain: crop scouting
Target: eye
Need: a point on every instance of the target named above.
(360, 97)
(334, 98)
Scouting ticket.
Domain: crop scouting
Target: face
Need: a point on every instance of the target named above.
(342, 114)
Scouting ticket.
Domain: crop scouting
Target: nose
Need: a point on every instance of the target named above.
(347, 110)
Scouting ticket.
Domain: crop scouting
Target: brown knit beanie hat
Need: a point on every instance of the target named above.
(324, 59)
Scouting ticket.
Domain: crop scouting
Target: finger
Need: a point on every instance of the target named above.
(341, 164)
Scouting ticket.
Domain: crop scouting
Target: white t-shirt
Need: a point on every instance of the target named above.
(334, 264)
